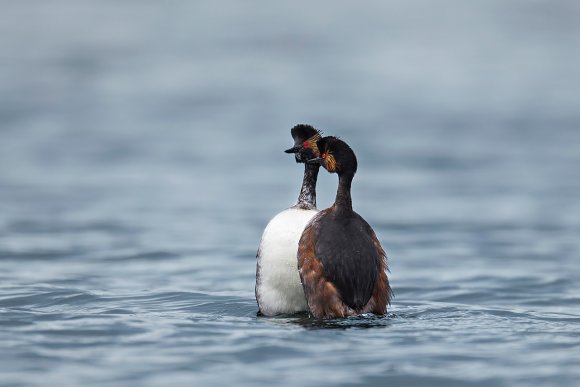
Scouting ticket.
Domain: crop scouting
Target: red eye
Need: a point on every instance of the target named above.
(305, 144)
(324, 155)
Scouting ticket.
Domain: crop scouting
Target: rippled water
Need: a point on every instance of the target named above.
(141, 157)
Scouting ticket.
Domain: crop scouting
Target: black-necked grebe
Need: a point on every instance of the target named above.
(342, 265)
(278, 286)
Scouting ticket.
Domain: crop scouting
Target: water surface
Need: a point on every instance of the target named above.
(141, 158)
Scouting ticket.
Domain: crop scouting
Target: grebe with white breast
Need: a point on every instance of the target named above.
(278, 286)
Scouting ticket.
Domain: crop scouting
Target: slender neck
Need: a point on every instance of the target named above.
(307, 197)
(343, 201)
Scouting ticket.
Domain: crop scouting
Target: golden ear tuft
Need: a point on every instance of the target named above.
(330, 162)
(311, 143)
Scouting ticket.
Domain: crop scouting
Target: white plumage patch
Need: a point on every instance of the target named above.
(278, 286)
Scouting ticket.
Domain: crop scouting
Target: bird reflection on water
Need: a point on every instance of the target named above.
(309, 322)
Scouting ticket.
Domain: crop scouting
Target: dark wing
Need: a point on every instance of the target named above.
(324, 300)
(350, 258)
(382, 293)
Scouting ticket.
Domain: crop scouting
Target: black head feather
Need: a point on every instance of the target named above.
(304, 134)
(338, 155)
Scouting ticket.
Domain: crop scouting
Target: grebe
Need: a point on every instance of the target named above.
(278, 287)
(342, 265)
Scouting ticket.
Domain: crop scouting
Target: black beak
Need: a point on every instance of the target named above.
(293, 150)
(318, 160)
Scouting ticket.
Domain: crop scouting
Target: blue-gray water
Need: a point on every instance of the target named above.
(141, 157)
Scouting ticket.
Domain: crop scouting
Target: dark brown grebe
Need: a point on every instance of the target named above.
(278, 287)
(342, 265)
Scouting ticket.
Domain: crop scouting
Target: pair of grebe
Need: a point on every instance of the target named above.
(329, 263)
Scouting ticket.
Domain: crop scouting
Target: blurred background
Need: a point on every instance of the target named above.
(141, 157)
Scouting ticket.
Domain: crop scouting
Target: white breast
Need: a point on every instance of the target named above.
(278, 286)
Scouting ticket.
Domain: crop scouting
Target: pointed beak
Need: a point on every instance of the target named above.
(318, 160)
(293, 150)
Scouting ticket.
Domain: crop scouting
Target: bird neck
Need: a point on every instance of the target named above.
(307, 197)
(343, 201)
